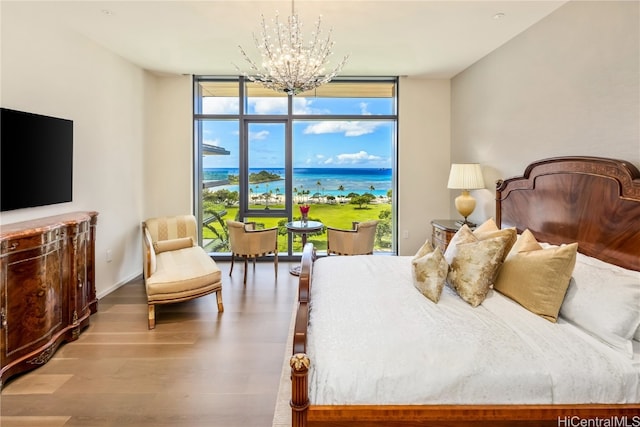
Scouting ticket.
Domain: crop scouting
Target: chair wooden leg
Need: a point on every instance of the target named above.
(275, 264)
(245, 270)
(152, 316)
(219, 299)
(231, 269)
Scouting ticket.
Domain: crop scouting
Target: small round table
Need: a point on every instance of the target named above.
(302, 228)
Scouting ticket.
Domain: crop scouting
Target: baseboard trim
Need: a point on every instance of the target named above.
(121, 283)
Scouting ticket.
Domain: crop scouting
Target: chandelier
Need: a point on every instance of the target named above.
(289, 64)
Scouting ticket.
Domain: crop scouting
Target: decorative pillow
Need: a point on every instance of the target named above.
(172, 244)
(486, 230)
(463, 235)
(487, 226)
(474, 266)
(538, 280)
(604, 300)
(426, 248)
(526, 242)
(429, 273)
(489, 230)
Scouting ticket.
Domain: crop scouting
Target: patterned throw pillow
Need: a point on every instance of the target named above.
(475, 265)
(475, 257)
(485, 231)
(463, 235)
(429, 273)
(426, 248)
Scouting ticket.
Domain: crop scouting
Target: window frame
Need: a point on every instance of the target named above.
(290, 119)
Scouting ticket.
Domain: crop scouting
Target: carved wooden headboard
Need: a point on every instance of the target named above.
(590, 200)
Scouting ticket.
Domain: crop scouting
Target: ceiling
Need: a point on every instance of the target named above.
(435, 39)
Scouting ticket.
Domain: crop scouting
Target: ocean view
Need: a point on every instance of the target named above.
(357, 180)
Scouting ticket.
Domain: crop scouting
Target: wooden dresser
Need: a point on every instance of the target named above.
(47, 287)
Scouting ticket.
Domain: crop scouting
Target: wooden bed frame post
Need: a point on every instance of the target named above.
(299, 363)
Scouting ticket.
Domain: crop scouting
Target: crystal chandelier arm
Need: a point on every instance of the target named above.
(288, 64)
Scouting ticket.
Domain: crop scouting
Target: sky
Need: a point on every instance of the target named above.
(317, 143)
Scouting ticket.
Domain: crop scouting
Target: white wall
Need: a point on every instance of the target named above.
(567, 86)
(50, 71)
(423, 159)
(168, 150)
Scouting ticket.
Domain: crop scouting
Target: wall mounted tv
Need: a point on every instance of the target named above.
(36, 160)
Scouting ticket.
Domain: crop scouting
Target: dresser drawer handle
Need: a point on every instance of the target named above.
(13, 246)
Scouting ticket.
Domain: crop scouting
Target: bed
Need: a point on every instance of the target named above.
(594, 202)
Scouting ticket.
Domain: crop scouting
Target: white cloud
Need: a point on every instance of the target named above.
(305, 106)
(263, 134)
(363, 109)
(351, 158)
(220, 105)
(272, 105)
(349, 128)
(302, 105)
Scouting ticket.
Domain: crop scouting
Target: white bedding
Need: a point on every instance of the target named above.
(374, 339)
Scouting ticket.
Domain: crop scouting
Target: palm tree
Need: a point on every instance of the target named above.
(371, 187)
(318, 184)
(341, 190)
(267, 196)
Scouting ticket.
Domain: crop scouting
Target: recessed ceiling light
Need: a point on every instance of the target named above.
(498, 15)
(107, 12)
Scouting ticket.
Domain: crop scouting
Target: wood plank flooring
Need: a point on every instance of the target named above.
(198, 368)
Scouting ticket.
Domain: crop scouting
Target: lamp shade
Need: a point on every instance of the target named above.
(465, 176)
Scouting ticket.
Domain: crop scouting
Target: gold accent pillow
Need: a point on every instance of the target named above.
(526, 242)
(474, 266)
(172, 244)
(488, 225)
(538, 280)
(429, 273)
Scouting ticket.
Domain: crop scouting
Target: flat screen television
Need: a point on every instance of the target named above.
(36, 160)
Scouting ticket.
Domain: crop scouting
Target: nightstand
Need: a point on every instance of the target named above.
(442, 232)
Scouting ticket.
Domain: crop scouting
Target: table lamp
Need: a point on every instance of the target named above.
(465, 177)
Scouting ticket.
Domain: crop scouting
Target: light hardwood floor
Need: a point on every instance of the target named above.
(198, 368)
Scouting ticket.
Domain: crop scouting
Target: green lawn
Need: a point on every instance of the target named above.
(333, 215)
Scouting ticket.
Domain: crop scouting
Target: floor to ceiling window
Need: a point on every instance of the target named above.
(260, 154)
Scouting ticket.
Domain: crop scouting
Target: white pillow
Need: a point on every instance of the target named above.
(604, 300)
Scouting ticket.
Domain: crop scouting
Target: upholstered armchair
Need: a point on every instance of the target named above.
(175, 268)
(248, 242)
(358, 241)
